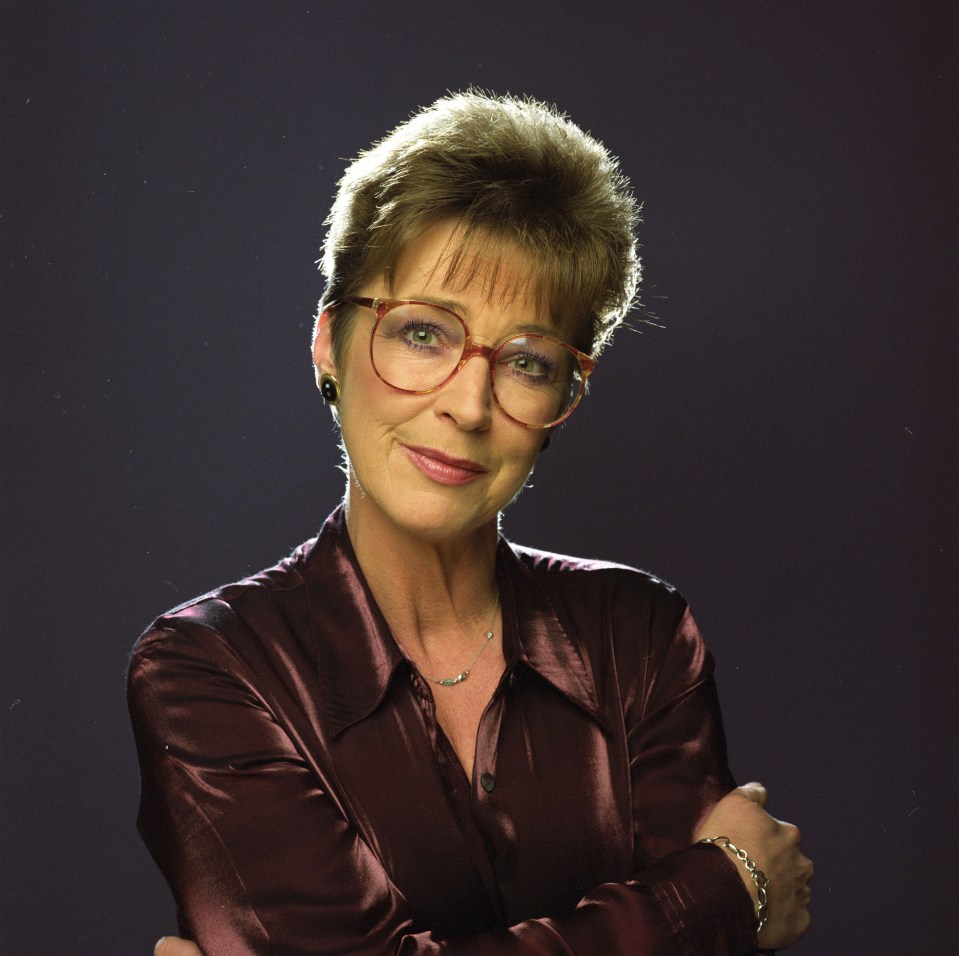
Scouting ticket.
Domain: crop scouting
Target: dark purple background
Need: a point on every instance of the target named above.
(784, 451)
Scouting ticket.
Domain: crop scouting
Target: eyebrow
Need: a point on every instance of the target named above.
(459, 308)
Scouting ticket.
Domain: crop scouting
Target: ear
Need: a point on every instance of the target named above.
(323, 346)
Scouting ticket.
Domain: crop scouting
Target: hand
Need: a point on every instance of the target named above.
(174, 946)
(774, 846)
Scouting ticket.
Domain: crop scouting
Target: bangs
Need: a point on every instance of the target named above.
(508, 268)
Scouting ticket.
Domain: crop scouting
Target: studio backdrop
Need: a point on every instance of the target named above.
(775, 434)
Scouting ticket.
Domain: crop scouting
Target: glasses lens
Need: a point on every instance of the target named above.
(537, 380)
(416, 347)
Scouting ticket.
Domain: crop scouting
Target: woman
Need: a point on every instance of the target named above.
(412, 736)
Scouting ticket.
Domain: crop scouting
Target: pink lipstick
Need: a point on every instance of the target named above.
(442, 468)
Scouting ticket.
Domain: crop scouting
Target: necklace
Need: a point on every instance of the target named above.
(462, 675)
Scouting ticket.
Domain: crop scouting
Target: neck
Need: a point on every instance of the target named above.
(435, 593)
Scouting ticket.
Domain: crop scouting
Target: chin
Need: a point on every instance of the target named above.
(444, 524)
(431, 513)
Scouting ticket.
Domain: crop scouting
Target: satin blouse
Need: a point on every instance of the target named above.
(300, 796)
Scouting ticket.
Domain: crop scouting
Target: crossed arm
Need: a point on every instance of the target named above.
(240, 819)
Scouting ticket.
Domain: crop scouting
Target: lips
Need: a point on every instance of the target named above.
(442, 468)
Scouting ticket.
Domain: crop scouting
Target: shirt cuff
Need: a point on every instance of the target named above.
(704, 896)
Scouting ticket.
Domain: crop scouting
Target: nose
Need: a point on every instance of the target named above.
(467, 398)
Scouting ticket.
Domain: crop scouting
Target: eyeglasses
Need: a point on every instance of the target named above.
(417, 347)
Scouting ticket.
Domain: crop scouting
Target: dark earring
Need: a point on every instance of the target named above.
(545, 444)
(330, 389)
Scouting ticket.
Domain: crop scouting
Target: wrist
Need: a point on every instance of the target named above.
(757, 879)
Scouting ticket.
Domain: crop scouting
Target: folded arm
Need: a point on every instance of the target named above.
(262, 857)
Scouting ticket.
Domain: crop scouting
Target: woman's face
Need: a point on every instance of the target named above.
(439, 465)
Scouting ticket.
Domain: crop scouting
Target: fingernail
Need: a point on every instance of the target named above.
(157, 944)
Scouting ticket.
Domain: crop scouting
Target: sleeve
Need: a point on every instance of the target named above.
(677, 745)
(679, 771)
(261, 857)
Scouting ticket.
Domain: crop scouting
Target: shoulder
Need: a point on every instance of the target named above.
(550, 563)
(634, 630)
(615, 611)
(273, 582)
(230, 619)
(619, 587)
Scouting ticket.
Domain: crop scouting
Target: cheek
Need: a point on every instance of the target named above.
(518, 465)
(369, 416)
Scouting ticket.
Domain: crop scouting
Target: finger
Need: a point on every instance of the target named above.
(174, 946)
(792, 833)
(753, 791)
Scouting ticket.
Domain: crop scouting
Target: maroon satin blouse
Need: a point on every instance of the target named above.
(301, 798)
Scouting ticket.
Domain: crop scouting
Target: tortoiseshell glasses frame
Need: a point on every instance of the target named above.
(382, 307)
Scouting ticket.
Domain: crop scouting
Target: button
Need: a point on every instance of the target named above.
(488, 782)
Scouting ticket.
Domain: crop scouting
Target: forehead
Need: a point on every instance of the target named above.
(471, 269)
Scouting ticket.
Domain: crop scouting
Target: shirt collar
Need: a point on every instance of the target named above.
(358, 658)
(543, 642)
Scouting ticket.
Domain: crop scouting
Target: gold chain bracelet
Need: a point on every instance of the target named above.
(755, 874)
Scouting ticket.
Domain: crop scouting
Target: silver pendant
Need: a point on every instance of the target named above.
(450, 681)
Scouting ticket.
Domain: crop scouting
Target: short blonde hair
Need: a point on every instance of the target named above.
(510, 171)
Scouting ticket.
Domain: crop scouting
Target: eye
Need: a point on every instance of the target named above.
(529, 366)
(422, 335)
